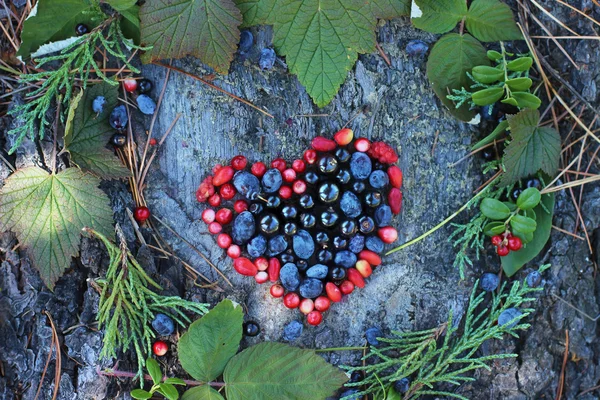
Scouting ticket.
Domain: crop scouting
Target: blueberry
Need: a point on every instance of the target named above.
(272, 180)
(378, 179)
(356, 376)
(356, 244)
(342, 154)
(118, 118)
(146, 104)
(383, 215)
(366, 224)
(289, 277)
(324, 256)
(534, 278)
(328, 164)
(145, 86)
(251, 328)
(416, 48)
(514, 195)
(358, 187)
(269, 224)
(308, 220)
(243, 228)
(508, 315)
(317, 271)
(340, 242)
(273, 201)
(246, 41)
(329, 218)
(345, 258)
(257, 246)
(533, 182)
(329, 192)
(350, 394)
(98, 104)
(303, 244)
(290, 228)
(360, 165)
(286, 258)
(163, 325)
(289, 212)
(348, 228)
(292, 331)
(350, 205)
(375, 244)
(311, 288)
(372, 334)
(256, 208)
(246, 184)
(337, 273)
(267, 58)
(277, 245)
(402, 385)
(489, 282)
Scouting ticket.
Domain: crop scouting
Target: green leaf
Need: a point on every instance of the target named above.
(450, 59)
(86, 143)
(487, 96)
(389, 9)
(207, 29)
(516, 259)
(169, 391)
(439, 16)
(175, 381)
(532, 148)
(487, 74)
(140, 394)
(47, 213)
(154, 370)
(529, 199)
(203, 392)
(500, 129)
(494, 209)
(492, 21)
(520, 64)
(56, 20)
(392, 394)
(511, 101)
(519, 84)
(494, 228)
(493, 55)
(526, 100)
(278, 371)
(523, 224)
(511, 206)
(121, 5)
(211, 341)
(130, 24)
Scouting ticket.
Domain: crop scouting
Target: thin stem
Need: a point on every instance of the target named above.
(339, 349)
(124, 374)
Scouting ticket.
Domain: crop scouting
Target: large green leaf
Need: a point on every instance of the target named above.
(56, 20)
(47, 213)
(531, 149)
(207, 29)
(439, 16)
(86, 142)
(211, 341)
(130, 24)
(451, 58)
(516, 259)
(278, 371)
(492, 21)
(321, 39)
(121, 5)
(203, 392)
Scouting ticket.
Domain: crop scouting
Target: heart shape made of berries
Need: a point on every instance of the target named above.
(316, 228)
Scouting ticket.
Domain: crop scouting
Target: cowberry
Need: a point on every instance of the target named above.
(314, 318)
(346, 287)
(223, 240)
(208, 215)
(261, 263)
(298, 166)
(224, 216)
(261, 277)
(289, 175)
(234, 251)
(322, 303)
(130, 85)
(515, 243)
(258, 169)
(279, 163)
(285, 192)
(215, 227)
(160, 348)
(502, 250)
(227, 191)
(214, 200)
(306, 306)
(240, 206)
(244, 266)
(363, 145)
(496, 240)
(153, 142)
(291, 300)
(310, 156)
(239, 162)
(141, 214)
(299, 187)
(277, 291)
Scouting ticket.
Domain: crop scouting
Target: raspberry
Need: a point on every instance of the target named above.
(205, 190)
(383, 153)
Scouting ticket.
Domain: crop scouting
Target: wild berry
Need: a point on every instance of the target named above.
(372, 334)
(118, 140)
(310, 156)
(227, 191)
(322, 303)
(516, 192)
(130, 85)
(81, 29)
(402, 385)
(145, 104)
(98, 104)
(534, 278)
(320, 143)
(257, 246)
(488, 154)
(502, 251)
(205, 190)
(216, 168)
(346, 287)
(214, 200)
(355, 277)
(514, 243)
(244, 266)
(364, 268)
(416, 48)
(363, 145)
(258, 169)
(533, 183)
(118, 118)
(292, 331)
(343, 136)
(311, 288)
(285, 192)
(299, 187)
(333, 292)
(289, 175)
(163, 325)
(274, 269)
(388, 234)
(261, 277)
(243, 228)
(489, 282)
(246, 41)
(251, 328)
(247, 185)
(240, 206)
(153, 142)
(509, 315)
(267, 58)
(277, 291)
(234, 251)
(496, 240)
(291, 300)
(383, 152)
(272, 180)
(239, 162)
(160, 348)
(279, 163)
(208, 215)
(314, 318)
(262, 264)
(371, 257)
(141, 214)
(299, 166)
(215, 228)
(306, 306)
(223, 176)
(223, 240)
(395, 200)
(145, 86)
(395, 175)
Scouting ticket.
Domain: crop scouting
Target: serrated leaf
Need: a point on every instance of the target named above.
(203, 392)
(492, 21)
(515, 260)
(388, 9)
(487, 96)
(207, 29)
(526, 100)
(278, 371)
(450, 59)
(440, 16)
(154, 370)
(532, 148)
(494, 209)
(211, 341)
(56, 20)
(47, 213)
(86, 143)
(121, 5)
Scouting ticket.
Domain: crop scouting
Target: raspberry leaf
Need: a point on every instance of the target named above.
(86, 141)
(47, 213)
(492, 21)
(203, 392)
(439, 16)
(207, 29)
(278, 371)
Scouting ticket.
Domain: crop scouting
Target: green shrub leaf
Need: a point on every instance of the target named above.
(169, 391)
(523, 224)
(175, 381)
(154, 370)
(526, 100)
(487, 96)
(494, 228)
(278, 371)
(121, 5)
(450, 59)
(130, 24)
(207, 29)
(492, 21)
(140, 394)
(500, 129)
(487, 74)
(47, 213)
(529, 199)
(494, 209)
(520, 64)
(519, 84)
(211, 341)
(439, 16)
(203, 392)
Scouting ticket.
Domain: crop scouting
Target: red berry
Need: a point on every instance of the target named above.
(214, 200)
(227, 191)
(261, 277)
(355, 277)
(502, 250)
(244, 266)
(277, 291)
(347, 287)
(208, 215)
(372, 257)
(234, 251)
(153, 142)
(322, 303)
(279, 163)
(299, 187)
(223, 176)
(344, 136)
(496, 240)
(364, 268)
(223, 240)
(141, 214)
(205, 190)
(310, 156)
(261, 263)
(306, 306)
(388, 234)
(216, 168)
(215, 227)
(395, 175)
(291, 300)
(298, 166)
(395, 200)
(383, 153)
(239, 162)
(320, 143)
(362, 145)
(130, 85)
(258, 169)
(274, 268)
(289, 175)
(515, 243)
(285, 192)
(240, 206)
(160, 348)
(224, 216)
(333, 292)
(314, 318)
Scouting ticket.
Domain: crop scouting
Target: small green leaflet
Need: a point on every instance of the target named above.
(492, 21)
(532, 148)
(56, 20)
(207, 29)
(440, 16)
(321, 39)
(121, 5)
(86, 142)
(203, 392)
(47, 212)
(211, 341)
(278, 371)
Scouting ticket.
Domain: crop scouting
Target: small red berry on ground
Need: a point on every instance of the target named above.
(322, 303)
(285, 192)
(306, 306)
(310, 156)
(261, 263)
(298, 166)
(274, 269)
(244, 266)
(291, 300)
(223, 176)
(279, 163)
(343, 136)
(234, 251)
(333, 292)
(347, 287)
(289, 175)
(214, 200)
(299, 187)
(223, 240)
(362, 145)
(239, 162)
(130, 85)
(141, 214)
(215, 227)
(160, 348)
(227, 191)
(261, 277)
(208, 215)
(153, 142)
(258, 169)
(224, 216)
(323, 144)
(277, 291)
(240, 206)
(314, 318)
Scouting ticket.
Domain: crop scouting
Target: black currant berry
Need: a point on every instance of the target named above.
(144, 86)
(269, 224)
(342, 155)
(358, 187)
(289, 212)
(118, 140)
(322, 238)
(256, 208)
(82, 29)
(311, 178)
(533, 183)
(488, 154)
(337, 273)
(328, 164)
(251, 328)
(308, 220)
(306, 201)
